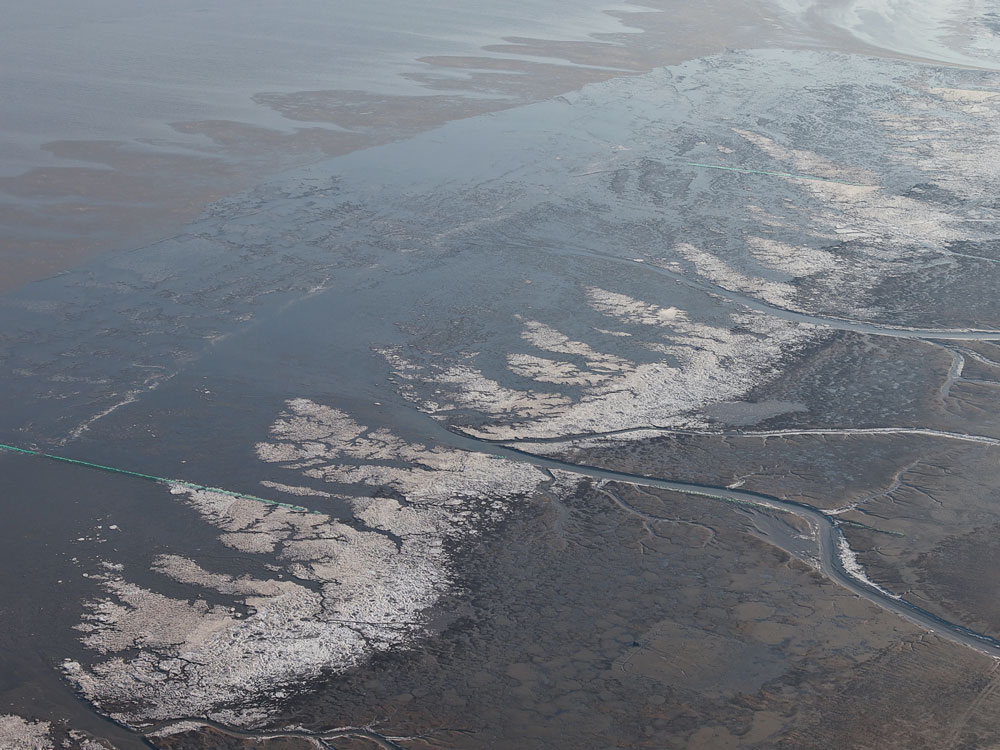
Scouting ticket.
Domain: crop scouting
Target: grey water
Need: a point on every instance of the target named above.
(124, 70)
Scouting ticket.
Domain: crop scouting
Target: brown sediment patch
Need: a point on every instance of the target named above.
(157, 191)
(370, 113)
(520, 80)
(58, 217)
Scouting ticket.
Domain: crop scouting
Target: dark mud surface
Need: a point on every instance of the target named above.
(689, 632)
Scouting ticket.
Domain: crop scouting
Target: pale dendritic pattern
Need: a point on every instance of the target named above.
(701, 364)
(342, 591)
(854, 235)
(339, 593)
(18, 733)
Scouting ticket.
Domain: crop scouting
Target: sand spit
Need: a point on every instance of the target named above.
(341, 591)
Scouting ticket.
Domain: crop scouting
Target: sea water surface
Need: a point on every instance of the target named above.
(121, 119)
(126, 70)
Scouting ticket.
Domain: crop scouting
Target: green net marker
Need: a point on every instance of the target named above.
(151, 478)
(18, 450)
(742, 170)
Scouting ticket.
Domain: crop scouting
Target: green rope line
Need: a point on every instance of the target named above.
(151, 478)
(773, 174)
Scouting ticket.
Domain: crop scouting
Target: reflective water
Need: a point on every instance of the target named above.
(116, 69)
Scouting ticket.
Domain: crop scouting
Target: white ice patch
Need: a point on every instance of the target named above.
(790, 259)
(340, 592)
(891, 228)
(806, 162)
(954, 143)
(472, 390)
(849, 561)
(545, 370)
(706, 364)
(630, 310)
(721, 273)
(20, 734)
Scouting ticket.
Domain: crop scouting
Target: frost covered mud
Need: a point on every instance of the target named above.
(490, 364)
(337, 592)
(961, 33)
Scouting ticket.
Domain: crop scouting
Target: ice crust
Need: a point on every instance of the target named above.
(702, 364)
(341, 591)
(17, 733)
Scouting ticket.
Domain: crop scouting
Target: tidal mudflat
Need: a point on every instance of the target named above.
(124, 119)
(660, 413)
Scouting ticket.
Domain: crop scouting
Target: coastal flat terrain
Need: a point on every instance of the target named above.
(658, 410)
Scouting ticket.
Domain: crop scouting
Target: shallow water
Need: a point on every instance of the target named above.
(123, 120)
(126, 71)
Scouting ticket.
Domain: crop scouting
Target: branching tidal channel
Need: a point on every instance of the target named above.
(826, 550)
